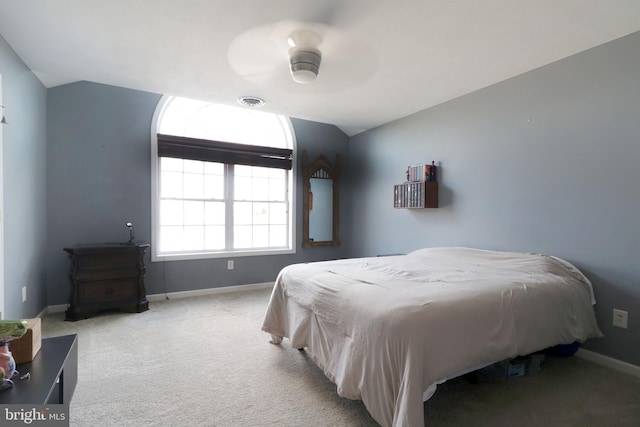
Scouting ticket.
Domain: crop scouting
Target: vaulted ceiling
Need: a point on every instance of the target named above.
(381, 59)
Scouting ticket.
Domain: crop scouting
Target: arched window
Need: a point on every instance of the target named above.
(222, 179)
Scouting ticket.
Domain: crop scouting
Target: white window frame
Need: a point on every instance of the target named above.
(155, 202)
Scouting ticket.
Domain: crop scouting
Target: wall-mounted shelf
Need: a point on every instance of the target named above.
(419, 191)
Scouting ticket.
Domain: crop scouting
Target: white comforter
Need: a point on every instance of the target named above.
(387, 330)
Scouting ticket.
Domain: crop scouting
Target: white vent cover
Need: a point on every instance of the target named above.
(251, 101)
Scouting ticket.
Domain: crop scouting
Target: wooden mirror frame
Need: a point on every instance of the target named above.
(308, 172)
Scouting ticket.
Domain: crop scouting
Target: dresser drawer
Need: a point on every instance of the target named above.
(105, 291)
(106, 274)
(107, 261)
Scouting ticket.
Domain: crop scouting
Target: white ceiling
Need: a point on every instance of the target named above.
(381, 60)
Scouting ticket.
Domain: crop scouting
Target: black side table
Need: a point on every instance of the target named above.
(53, 374)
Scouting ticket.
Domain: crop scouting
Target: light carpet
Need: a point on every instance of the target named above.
(204, 361)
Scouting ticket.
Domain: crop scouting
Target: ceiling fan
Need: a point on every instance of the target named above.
(262, 55)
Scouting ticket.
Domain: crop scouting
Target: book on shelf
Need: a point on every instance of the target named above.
(424, 173)
(409, 195)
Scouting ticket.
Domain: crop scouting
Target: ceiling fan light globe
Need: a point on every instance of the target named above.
(303, 76)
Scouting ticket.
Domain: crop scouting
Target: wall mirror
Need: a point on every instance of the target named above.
(320, 202)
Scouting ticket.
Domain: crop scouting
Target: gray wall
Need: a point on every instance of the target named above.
(99, 177)
(24, 173)
(544, 162)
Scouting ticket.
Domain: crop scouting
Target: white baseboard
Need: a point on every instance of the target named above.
(609, 362)
(43, 312)
(184, 294)
(56, 308)
(209, 291)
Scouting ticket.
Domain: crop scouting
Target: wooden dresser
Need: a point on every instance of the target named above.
(106, 277)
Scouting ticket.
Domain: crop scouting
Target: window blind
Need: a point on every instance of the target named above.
(224, 152)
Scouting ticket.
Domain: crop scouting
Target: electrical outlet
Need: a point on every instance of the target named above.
(24, 294)
(230, 264)
(620, 318)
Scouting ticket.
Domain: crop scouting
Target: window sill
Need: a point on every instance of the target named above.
(209, 255)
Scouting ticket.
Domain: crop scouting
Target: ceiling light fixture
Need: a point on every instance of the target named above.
(251, 101)
(304, 56)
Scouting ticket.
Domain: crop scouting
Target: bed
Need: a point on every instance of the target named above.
(388, 330)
